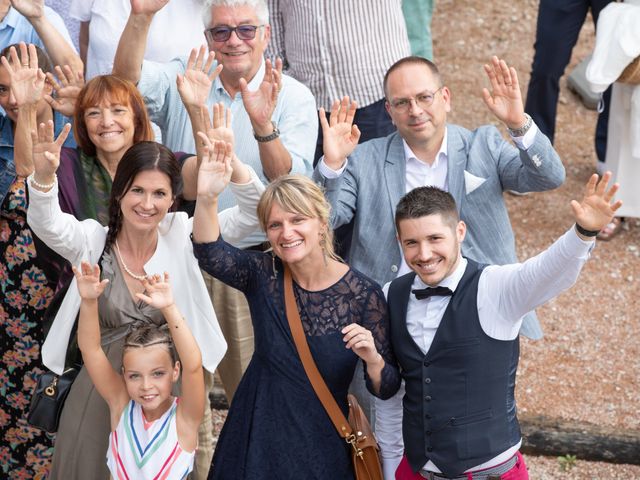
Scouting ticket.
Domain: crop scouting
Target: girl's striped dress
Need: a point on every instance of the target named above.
(147, 450)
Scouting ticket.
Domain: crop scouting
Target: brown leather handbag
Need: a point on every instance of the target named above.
(356, 430)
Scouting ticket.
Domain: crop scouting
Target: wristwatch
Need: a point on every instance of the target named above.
(519, 132)
(272, 136)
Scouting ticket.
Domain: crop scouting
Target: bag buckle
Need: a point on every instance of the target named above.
(50, 391)
(353, 441)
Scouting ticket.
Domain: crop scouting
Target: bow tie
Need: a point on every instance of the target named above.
(423, 293)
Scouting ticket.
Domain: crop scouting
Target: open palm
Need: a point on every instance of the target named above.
(46, 150)
(157, 290)
(215, 169)
(88, 280)
(261, 103)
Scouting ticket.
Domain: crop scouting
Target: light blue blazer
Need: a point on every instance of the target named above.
(481, 166)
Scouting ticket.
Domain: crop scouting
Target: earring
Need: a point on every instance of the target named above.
(273, 266)
(323, 245)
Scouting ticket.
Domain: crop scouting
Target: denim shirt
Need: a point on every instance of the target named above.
(7, 165)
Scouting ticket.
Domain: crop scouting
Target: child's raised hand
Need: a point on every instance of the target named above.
(158, 291)
(88, 279)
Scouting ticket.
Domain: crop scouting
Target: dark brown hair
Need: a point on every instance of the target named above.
(145, 334)
(117, 90)
(138, 158)
(425, 201)
(411, 60)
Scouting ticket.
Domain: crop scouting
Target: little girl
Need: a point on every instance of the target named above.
(153, 434)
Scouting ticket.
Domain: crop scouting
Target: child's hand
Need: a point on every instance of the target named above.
(88, 278)
(159, 291)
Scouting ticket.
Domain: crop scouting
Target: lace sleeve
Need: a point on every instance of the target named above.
(376, 320)
(237, 268)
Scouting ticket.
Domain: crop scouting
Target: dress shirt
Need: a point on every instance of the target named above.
(295, 115)
(338, 47)
(505, 294)
(16, 28)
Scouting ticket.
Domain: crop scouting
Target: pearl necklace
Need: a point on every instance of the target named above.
(140, 278)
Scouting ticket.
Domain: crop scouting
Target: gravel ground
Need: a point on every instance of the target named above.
(586, 367)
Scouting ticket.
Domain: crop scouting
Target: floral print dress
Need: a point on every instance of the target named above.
(25, 293)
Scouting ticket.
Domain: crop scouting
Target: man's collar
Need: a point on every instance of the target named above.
(11, 19)
(442, 153)
(450, 282)
(253, 84)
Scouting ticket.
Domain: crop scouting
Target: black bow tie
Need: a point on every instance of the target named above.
(423, 293)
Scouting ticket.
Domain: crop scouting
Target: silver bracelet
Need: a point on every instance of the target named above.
(32, 180)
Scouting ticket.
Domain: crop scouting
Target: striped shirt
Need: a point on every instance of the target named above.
(339, 47)
(144, 450)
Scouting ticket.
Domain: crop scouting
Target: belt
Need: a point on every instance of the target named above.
(484, 474)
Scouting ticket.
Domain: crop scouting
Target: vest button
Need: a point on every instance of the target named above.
(428, 398)
(427, 363)
(394, 268)
(428, 432)
(429, 449)
(427, 380)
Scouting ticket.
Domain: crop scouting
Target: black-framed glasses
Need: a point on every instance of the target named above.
(223, 32)
(423, 100)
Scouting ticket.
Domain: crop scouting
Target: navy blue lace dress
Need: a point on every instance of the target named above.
(276, 427)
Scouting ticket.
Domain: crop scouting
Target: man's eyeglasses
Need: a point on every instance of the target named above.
(223, 33)
(423, 100)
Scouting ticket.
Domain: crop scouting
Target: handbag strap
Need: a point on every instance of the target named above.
(317, 382)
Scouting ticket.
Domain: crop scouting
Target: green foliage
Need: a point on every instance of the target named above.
(567, 462)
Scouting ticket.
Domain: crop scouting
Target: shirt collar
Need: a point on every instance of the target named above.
(440, 156)
(253, 84)
(11, 19)
(451, 282)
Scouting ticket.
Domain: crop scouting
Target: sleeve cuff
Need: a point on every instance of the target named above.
(526, 140)
(328, 172)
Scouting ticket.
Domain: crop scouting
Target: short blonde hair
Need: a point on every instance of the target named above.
(298, 194)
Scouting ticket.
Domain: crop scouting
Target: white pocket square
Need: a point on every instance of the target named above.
(471, 182)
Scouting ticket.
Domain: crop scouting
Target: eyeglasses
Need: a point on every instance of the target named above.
(223, 33)
(422, 100)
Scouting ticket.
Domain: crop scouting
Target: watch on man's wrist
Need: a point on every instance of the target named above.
(520, 132)
(267, 138)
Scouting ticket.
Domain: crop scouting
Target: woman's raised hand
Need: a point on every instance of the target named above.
(27, 80)
(66, 88)
(157, 291)
(215, 169)
(46, 151)
(88, 280)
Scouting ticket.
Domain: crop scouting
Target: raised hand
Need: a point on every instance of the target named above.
(215, 169)
(27, 80)
(261, 104)
(360, 340)
(597, 207)
(158, 291)
(340, 135)
(66, 89)
(88, 280)
(505, 98)
(29, 8)
(46, 151)
(220, 128)
(194, 86)
(147, 7)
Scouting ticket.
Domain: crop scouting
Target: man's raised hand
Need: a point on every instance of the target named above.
(339, 134)
(505, 98)
(597, 207)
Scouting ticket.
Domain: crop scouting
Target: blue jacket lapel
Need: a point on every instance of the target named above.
(395, 168)
(456, 163)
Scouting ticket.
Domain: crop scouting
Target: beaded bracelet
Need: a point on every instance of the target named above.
(32, 180)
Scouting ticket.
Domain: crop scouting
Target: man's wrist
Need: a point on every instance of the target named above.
(266, 134)
(520, 129)
(586, 234)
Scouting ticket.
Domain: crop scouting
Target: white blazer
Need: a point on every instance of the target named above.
(77, 241)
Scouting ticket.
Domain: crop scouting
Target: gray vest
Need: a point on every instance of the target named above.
(459, 408)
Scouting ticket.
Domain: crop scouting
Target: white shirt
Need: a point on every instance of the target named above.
(505, 294)
(174, 31)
